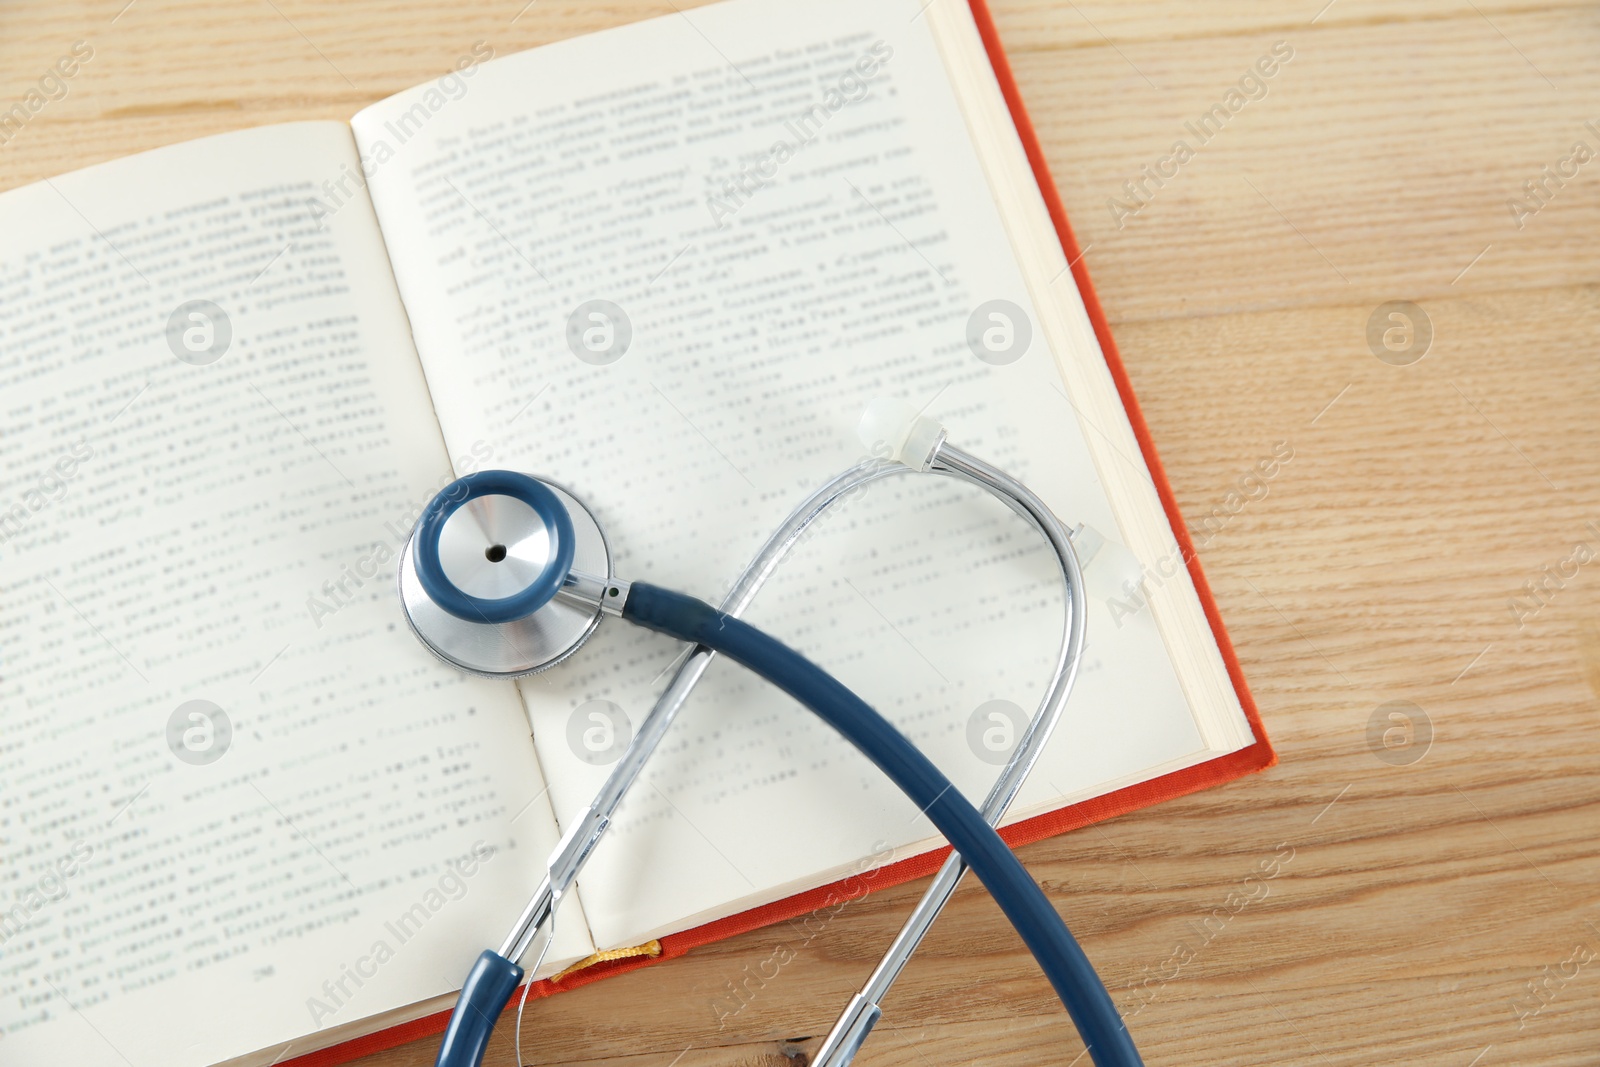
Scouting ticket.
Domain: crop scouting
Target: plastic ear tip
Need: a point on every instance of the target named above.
(884, 425)
(1087, 543)
(892, 429)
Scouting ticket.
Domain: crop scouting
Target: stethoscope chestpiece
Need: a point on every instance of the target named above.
(490, 575)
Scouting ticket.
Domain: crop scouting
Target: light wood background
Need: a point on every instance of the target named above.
(1424, 895)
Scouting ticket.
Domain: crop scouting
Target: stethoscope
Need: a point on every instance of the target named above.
(506, 575)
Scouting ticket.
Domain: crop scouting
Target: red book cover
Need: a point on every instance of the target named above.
(1254, 757)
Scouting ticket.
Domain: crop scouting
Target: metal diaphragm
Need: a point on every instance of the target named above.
(491, 548)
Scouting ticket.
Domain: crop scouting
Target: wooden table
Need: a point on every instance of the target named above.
(1442, 886)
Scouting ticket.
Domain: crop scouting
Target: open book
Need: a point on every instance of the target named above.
(245, 815)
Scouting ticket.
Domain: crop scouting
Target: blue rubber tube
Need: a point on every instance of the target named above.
(483, 997)
(1023, 902)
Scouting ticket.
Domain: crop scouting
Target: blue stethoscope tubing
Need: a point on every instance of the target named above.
(980, 847)
(495, 976)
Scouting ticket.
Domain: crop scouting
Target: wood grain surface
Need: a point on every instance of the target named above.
(1438, 902)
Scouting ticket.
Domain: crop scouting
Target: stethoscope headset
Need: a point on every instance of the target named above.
(506, 575)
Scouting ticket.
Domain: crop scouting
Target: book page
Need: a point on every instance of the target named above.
(668, 266)
(243, 808)
(1153, 577)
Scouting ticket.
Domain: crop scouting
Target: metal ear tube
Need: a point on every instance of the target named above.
(854, 1024)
